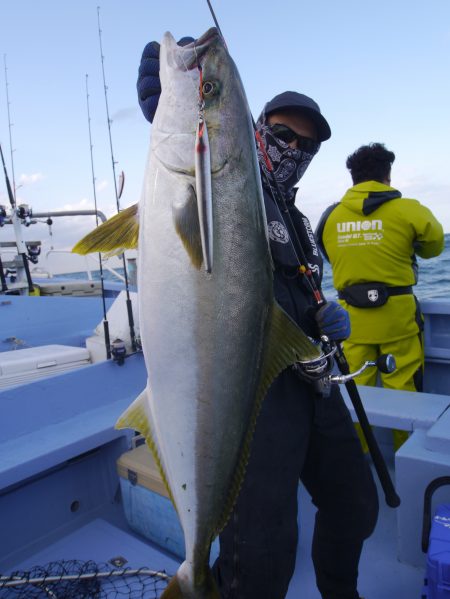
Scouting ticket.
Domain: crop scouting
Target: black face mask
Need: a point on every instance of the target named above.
(289, 164)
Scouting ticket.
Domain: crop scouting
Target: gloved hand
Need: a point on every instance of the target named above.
(148, 84)
(333, 321)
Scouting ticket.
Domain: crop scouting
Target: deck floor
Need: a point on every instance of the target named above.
(381, 575)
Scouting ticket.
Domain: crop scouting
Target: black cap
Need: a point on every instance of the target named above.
(303, 104)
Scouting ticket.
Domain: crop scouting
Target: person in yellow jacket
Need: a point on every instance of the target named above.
(371, 238)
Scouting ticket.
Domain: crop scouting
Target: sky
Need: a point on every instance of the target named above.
(378, 70)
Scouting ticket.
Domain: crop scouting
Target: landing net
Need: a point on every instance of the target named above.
(83, 580)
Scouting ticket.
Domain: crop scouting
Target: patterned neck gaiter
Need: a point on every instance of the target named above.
(289, 164)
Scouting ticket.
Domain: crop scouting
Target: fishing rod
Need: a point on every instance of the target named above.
(9, 127)
(333, 349)
(21, 247)
(134, 344)
(15, 217)
(102, 283)
(2, 277)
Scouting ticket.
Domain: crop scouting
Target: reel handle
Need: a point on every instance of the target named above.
(386, 363)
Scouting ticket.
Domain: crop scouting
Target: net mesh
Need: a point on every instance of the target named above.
(83, 580)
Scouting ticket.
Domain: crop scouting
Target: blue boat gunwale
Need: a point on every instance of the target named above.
(84, 407)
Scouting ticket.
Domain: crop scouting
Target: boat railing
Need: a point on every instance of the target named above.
(89, 259)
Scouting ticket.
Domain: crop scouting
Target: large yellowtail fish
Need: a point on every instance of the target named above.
(212, 335)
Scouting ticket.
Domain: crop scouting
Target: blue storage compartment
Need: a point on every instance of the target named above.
(436, 542)
(147, 506)
(438, 559)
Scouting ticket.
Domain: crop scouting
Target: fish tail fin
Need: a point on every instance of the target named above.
(173, 590)
(206, 589)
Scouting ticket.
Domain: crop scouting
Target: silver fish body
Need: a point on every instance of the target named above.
(206, 336)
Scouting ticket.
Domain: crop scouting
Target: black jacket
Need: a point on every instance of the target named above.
(291, 289)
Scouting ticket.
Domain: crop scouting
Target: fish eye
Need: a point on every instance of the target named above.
(209, 88)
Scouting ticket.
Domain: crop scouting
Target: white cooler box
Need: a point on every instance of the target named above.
(25, 365)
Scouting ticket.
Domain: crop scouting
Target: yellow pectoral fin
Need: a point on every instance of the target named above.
(136, 417)
(187, 226)
(116, 234)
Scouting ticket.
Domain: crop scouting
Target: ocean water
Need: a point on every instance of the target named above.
(434, 276)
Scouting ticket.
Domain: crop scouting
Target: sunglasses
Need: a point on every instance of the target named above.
(286, 134)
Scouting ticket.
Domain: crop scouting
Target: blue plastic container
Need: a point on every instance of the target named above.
(436, 542)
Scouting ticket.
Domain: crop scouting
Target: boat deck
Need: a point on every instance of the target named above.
(381, 575)
(58, 487)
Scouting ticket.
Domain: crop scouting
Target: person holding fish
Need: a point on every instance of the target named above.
(300, 433)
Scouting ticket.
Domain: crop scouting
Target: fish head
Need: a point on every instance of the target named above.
(206, 64)
(175, 124)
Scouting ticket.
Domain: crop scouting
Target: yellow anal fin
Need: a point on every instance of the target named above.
(286, 344)
(187, 226)
(136, 417)
(113, 236)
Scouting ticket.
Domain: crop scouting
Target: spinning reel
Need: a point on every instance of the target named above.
(319, 371)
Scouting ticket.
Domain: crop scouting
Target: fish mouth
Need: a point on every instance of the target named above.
(194, 51)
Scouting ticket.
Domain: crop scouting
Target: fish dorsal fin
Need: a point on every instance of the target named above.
(136, 417)
(185, 218)
(286, 344)
(113, 236)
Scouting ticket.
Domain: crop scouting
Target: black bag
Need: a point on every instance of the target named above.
(365, 295)
(371, 295)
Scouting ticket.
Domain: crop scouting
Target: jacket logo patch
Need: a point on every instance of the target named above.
(312, 239)
(365, 225)
(278, 232)
(372, 295)
(365, 232)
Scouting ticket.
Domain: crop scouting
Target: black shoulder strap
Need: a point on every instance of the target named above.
(320, 227)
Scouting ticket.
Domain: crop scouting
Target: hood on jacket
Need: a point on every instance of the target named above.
(366, 197)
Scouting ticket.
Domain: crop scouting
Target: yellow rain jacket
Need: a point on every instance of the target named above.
(372, 235)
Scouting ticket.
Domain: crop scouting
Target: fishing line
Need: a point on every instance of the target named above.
(277, 194)
(127, 287)
(391, 497)
(105, 320)
(214, 18)
(303, 266)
